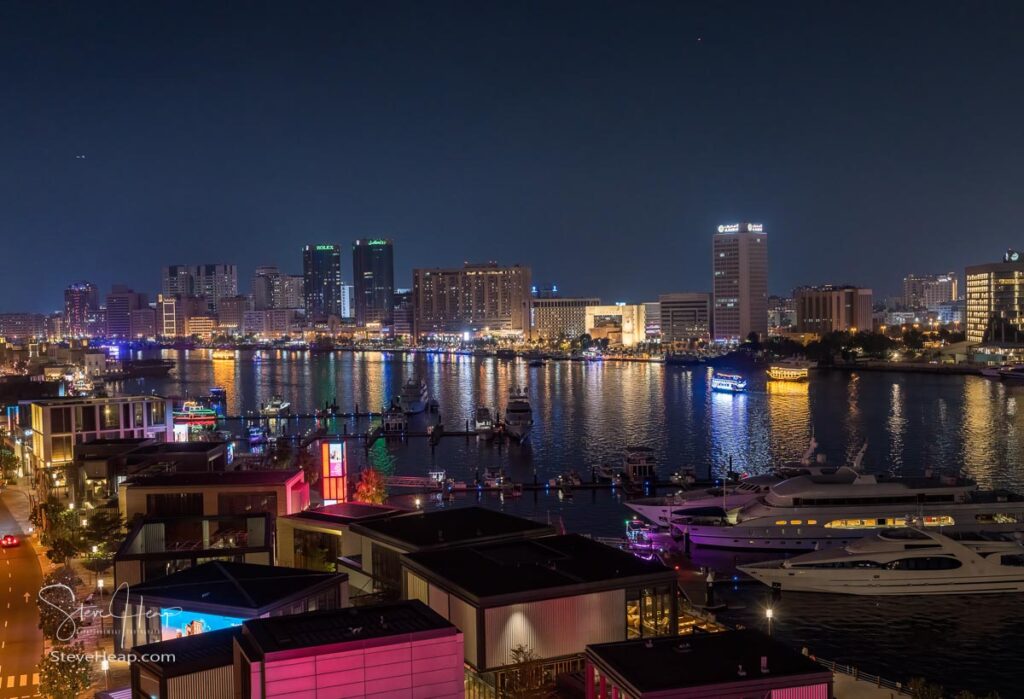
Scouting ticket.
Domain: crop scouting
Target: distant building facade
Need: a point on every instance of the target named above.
(121, 303)
(685, 318)
(321, 272)
(824, 309)
(209, 281)
(472, 299)
(16, 327)
(740, 281)
(994, 298)
(781, 312)
(929, 290)
(555, 317)
(622, 324)
(373, 276)
(81, 302)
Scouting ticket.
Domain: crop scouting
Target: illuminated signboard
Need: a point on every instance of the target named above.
(324, 247)
(176, 622)
(378, 242)
(736, 227)
(334, 472)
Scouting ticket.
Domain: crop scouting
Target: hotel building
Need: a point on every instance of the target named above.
(740, 281)
(556, 317)
(929, 290)
(995, 296)
(321, 272)
(476, 299)
(373, 272)
(685, 319)
(622, 325)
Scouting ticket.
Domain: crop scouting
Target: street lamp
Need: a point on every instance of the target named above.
(105, 666)
(769, 614)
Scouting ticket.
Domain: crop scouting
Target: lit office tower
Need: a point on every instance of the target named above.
(995, 299)
(321, 272)
(685, 318)
(740, 267)
(122, 302)
(929, 290)
(81, 301)
(213, 282)
(373, 272)
(264, 279)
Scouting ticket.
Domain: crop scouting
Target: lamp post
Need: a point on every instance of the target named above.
(105, 666)
(769, 614)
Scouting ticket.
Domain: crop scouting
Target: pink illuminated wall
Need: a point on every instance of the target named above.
(390, 668)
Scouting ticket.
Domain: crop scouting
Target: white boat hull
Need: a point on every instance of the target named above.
(887, 583)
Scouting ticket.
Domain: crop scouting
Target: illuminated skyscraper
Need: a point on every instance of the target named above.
(212, 281)
(321, 272)
(740, 267)
(995, 299)
(81, 301)
(373, 271)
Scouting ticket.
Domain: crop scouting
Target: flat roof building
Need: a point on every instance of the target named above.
(825, 309)
(622, 324)
(995, 300)
(555, 317)
(685, 319)
(477, 299)
(740, 281)
(726, 665)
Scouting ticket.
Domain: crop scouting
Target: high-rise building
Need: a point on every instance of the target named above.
(824, 309)
(173, 312)
(121, 302)
(290, 291)
(321, 273)
(929, 290)
(685, 318)
(264, 279)
(231, 313)
(143, 322)
(555, 317)
(995, 299)
(740, 279)
(475, 298)
(781, 312)
(347, 292)
(22, 326)
(210, 281)
(81, 302)
(373, 273)
(402, 315)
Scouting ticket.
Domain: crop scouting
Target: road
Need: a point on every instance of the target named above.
(21, 641)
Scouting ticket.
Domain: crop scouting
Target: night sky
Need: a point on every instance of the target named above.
(600, 143)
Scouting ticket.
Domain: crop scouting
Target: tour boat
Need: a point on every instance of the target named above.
(518, 414)
(483, 423)
(790, 370)
(192, 413)
(728, 383)
(413, 398)
(911, 561)
(829, 509)
(277, 407)
(222, 353)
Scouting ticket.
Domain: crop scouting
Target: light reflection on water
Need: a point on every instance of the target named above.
(587, 413)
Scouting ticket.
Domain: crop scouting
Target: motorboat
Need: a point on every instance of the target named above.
(835, 508)
(790, 370)
(193, 413)
(518, 414)
(277, 407)
(605, 473)
(910, 561)
(394, 421)
(728, 383)
(1013, 374)
(413, 398)
(639, 465)
(493, 478)
(483, 423)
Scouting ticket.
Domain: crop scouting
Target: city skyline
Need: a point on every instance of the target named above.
(649, 126)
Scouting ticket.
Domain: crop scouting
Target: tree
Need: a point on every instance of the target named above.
(525, 677)
(64, 672)
(922, 689)
(104, 530)
(65, 546)
(57, 605)
(371, 487)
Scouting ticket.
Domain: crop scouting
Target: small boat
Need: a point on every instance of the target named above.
(607, 474)
(483, 423)
(728, 383)
(910, 561)
(639, 535)
(569, 479)
(394, 421)
(518, 414)
(639, 465)
(222, 353)
(277, 407)
(1012, 374)
(192, 413)
(790, 370)
(685, 478)
(413, 398)
(494, 478)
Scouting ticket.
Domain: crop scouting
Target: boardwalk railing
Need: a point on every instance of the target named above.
(863, 676)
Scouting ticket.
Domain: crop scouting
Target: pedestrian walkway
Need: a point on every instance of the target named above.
(13, 681)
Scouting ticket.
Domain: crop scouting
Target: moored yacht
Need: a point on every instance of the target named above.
(518, 414)
(913, 561)
(277, 407)
(728, 383)
(413, 398)
(827, 509)
(790, 370)
(484, 423)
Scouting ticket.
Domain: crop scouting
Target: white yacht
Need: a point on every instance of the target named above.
(731, 494)
(277, 407)
(518, 414)
(413, 398)
(828, 509)
(913, 561)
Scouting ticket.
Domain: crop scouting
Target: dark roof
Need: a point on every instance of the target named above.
(700, 659)
(222, 478)
(179, 448)
(533, 565)
(190, 654)
(347, 512)
(238, 585)
(423, 530)
(282, 633)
